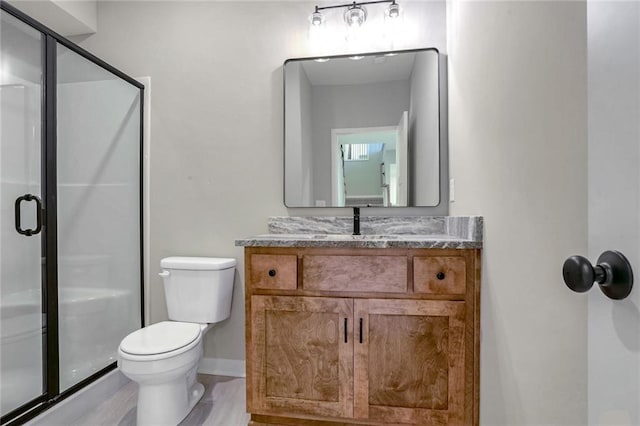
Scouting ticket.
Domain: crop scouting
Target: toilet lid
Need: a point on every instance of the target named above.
(162, 337)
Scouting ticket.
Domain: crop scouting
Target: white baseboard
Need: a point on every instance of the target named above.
(222, 367)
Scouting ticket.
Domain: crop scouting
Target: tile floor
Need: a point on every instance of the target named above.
(223, 404)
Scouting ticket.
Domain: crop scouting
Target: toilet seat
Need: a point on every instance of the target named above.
(161, 340)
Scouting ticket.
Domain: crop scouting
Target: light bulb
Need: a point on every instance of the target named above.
(393, 11)
(316, 18)
(355, 16)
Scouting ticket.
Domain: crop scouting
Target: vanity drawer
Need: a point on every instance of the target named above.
(439, 275)
(274, 271)
(377, 274)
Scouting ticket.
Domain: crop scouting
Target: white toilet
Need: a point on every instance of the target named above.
(163, 358)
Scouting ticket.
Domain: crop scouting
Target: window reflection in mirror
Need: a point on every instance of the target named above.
(363, 132)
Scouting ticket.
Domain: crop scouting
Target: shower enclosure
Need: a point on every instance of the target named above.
(70, 215)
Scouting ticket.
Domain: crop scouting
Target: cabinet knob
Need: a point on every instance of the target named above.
(440, 276)
(612, 272)
(272, 272)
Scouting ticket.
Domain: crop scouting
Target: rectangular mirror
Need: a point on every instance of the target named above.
(365, 130)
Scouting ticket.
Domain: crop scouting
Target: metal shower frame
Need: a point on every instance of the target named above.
(51, 378)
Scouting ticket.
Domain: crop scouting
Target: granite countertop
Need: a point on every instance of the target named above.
(459, 232)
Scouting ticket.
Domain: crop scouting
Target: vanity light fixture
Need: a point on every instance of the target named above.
(356, 14)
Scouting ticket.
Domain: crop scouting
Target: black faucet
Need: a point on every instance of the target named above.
(356, 221)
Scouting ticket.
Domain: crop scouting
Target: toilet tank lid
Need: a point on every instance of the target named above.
(197, 263)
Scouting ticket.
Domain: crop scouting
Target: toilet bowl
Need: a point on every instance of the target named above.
(163, 358)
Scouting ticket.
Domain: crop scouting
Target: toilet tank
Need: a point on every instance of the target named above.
(198, 289)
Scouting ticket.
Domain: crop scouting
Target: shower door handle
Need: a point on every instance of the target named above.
(38, 228)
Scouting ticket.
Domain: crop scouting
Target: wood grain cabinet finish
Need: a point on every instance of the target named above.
(325, 352)
(386, 274)
(303, 356)
(274, 271)
(410, 365)
(439, 274)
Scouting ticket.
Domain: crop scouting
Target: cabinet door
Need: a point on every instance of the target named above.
(302, 351)
(409, 367)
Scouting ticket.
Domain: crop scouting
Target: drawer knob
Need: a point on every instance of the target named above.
(272, 272)
(440, 276)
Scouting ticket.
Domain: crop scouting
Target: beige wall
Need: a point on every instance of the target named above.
(517, 122)
(518, 154)
(216, 120)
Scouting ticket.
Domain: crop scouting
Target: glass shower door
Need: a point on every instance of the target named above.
(98, 187)
(21, 236)
(70, 215)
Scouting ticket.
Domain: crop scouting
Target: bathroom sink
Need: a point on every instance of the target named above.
(330, 237)
(349, 237)
(361, 241)
(287, 237)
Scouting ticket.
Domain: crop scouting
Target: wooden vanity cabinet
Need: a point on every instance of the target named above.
(340, 347)
(302, 356)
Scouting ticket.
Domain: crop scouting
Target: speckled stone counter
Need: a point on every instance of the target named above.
(459, 232)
